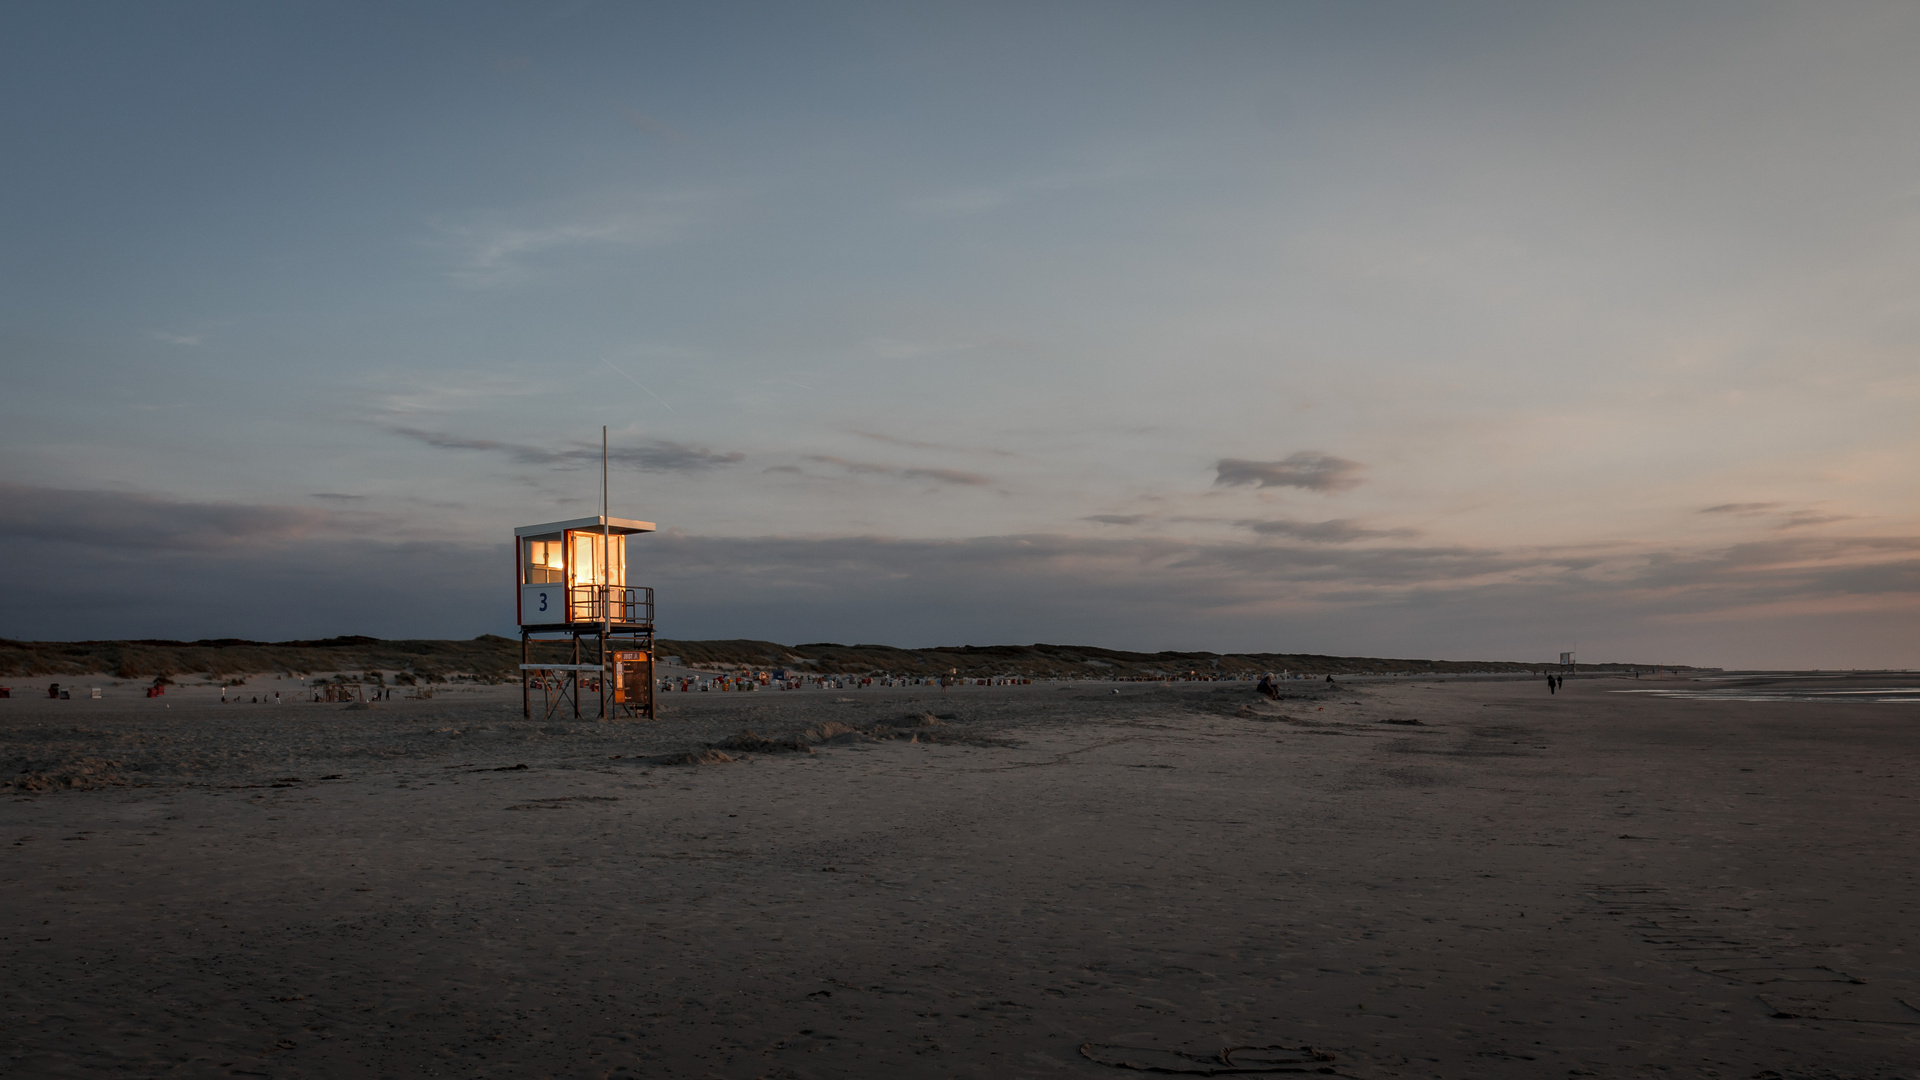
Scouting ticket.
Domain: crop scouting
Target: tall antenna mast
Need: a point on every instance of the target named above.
(606, 574)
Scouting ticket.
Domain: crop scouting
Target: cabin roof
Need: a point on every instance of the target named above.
(619, 526)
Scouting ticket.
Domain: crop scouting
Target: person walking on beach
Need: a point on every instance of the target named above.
(1553, 685)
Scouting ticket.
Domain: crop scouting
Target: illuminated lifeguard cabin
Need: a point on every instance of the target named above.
(573, 586)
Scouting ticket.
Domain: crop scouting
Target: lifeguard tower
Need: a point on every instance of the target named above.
(573, 586)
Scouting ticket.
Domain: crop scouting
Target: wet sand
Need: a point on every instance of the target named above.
(1590, 884)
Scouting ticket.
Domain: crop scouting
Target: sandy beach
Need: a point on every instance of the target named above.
(1043, 880)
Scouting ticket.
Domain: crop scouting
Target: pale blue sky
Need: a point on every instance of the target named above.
(1582, 326)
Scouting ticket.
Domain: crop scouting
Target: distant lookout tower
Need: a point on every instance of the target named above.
(573, 585)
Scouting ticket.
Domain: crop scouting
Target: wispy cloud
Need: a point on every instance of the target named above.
(656, 455)
(1117, 519)
(1337, 531)
(1307, 469)
(172, 338)
(940, 476)
(945, 476)
(1797, 519)
(917, 444)
(1800, 519)
(497, 250)
(894, 440)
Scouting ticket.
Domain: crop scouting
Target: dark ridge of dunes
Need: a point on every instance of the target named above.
(491, 658)
(487, 658)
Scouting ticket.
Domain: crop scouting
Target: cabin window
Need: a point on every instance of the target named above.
(589, 565)
(544, 561)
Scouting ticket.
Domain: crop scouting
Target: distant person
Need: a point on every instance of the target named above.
(1552, 688)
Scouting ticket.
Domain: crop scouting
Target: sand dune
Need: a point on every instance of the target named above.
(979, 883)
